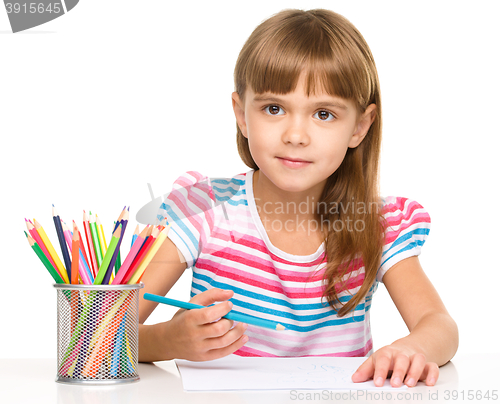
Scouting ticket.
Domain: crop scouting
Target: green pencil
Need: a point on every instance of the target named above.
(44, 259)
(95, 241)
(109, 254)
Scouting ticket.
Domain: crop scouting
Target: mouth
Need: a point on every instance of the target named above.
(294, 159)
(294, 162)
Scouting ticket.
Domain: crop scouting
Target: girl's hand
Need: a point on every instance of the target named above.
(402, 361)
(196, 335)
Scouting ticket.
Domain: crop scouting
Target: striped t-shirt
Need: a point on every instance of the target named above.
(217, 228)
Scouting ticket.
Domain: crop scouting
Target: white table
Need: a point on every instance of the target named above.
(33, 381)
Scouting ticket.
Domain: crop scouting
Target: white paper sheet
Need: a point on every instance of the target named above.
(240, 373)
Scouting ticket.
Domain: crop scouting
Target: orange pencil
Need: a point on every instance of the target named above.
(75, 256)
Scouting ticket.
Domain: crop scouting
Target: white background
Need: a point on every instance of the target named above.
(117, 94)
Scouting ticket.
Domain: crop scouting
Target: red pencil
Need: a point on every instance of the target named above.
(75, 256)
(140, 255)
(82, 247)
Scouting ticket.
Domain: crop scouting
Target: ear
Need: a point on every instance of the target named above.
(239, 113)
(364, 123)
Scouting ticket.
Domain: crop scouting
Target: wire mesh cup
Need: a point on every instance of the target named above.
(97, 333)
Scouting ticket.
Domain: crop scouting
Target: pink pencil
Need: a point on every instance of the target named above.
(122, 272)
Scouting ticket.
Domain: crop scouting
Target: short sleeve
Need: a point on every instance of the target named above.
(189, 210)
(407, 228)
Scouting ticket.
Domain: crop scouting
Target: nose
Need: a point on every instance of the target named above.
(296, 132)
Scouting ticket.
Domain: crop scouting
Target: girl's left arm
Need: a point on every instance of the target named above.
(433, 338)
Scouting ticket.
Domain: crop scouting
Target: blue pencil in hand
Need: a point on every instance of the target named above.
(244, 318)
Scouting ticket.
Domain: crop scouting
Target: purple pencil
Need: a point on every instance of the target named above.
(123, 222)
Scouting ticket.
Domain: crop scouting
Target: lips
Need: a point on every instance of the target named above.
(294, 162)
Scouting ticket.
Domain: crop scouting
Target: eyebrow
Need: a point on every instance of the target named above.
(335, 104)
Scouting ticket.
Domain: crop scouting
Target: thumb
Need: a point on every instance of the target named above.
(211, 296)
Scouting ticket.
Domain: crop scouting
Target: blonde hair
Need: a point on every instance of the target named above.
(335, 56)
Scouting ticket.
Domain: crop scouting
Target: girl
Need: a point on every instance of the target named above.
(304, 237)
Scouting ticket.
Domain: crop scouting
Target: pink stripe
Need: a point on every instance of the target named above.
(401, 227)
(247, 351)
(267, 266)
(270, 285)
(299, 339)
(324, 346)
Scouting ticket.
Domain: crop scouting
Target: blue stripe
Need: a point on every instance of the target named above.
(226, 182)
(186, 231)
(329, 323)
(233, 191)
(238, 202)
(408, 247)
(279, 302)
(406, 236)
(171, 214)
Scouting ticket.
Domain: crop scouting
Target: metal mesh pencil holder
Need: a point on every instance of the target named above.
(97, 333)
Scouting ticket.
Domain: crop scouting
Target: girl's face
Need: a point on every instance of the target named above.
(298, 141)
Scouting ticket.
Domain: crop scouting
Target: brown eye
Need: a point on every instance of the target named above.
(324, 115)
(273, 110)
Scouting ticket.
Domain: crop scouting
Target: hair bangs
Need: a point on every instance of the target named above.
(304, 43)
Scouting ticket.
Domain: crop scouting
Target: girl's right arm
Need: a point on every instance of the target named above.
(195, 335)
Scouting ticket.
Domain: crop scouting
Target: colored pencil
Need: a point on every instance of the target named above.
(95, 240)
(44, 259)
(244, 318)
(149, 256)
(51, 250)
(82, 249)
(100, 233)
(134, 236)
(36, 237)
(93, 260)
(83, 269)
(123, 223)
(62, 242)
(140, 255)
(122, 273)
(75, 257)
(109, 254)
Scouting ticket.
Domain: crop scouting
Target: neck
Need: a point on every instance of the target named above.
(277, 204)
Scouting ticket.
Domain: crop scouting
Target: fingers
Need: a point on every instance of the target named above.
(431, 374)
(227, 350)
(228, 338)
(213, 313)
(364, 372)
(211, 296)
(385, 361)
(416, 368)
(382, 366)
(401, 364)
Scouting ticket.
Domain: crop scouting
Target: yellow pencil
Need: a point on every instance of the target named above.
(51, 250)
(100, 233)
(149, 256)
